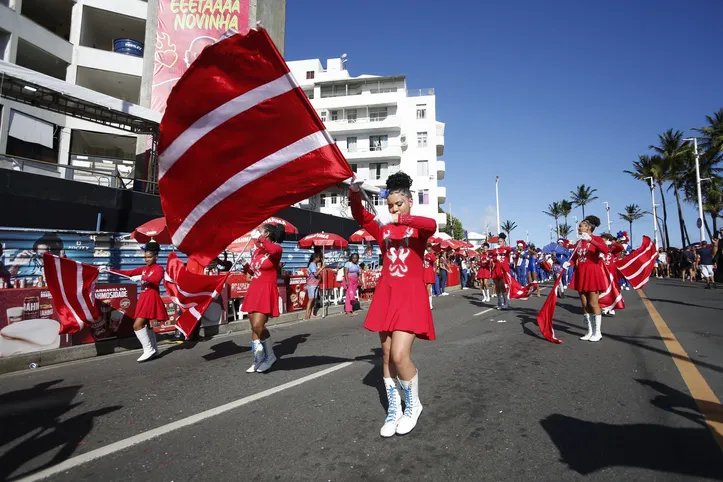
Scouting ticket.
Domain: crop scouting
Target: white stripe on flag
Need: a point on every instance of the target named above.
(178, 302)
(219, 115)
(636, 257)
(255, 171)
(58, 273)
(195, 313)
(185, 293)
(79, 291)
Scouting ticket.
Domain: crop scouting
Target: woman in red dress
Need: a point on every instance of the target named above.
(614, 250)
(483, 273)
(400, 309)
(262, 299)
(501, 258)
(149, 306)
(429, 275)
(588, 278)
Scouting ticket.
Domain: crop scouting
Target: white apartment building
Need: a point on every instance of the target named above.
(381, 128)
(72, 40)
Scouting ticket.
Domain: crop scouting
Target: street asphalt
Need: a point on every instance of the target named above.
(500, 402)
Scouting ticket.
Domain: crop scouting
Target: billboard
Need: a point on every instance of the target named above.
(185, 28)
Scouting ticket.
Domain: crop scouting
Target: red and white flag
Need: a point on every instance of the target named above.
(72, 285)
(547, 313)
(612, 297)
(515, 290)
(191, 292)
(638, 265)
(238, 142)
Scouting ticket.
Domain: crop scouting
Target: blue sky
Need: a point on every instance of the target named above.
(547, 95)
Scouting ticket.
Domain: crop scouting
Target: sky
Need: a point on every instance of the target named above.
(546, 95)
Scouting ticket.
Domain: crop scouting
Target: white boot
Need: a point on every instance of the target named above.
(269, 357)
(412, 405)
(589, 328)
(257, 350)
(596, 326)
(148, 350)
(152, 336)
(394, 412)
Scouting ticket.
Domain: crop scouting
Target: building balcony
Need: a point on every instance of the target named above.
(109, 61)
(441, 194)
(441, 220)
(359, 100)
(121, 86)
(36, 34)
(440, 138)
(363, 124)
(389, 152)
(441, 170)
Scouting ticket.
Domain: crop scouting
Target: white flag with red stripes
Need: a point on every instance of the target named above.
(238, 142)
(191, 292)
(72, 285)
(638, 265)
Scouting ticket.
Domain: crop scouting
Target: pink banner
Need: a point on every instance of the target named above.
(185, 27)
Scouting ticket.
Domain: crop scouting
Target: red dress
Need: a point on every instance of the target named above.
(263, 295)
(484, 266)
(614, 251)
(149, 306)
(588, 261)
(501, 259)
(400, 301)
(429, 261)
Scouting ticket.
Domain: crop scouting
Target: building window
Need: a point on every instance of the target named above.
(377, 201)
(323, 200)
(424, 196)
(310, 74)
(421, 111)
(351, 116)
(322, 114)
(334, 114)
(309, 93)
(422, 168)
(333, 198)
(378, 143)
(351, 144)
(353, 168)
(32, 138)
(377, 114)
(378, 171)
(421, 139)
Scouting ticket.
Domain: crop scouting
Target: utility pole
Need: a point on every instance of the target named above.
(607, 210)
(497, 196)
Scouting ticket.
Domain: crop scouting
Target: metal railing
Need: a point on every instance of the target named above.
(419, 92)
(362, 120)
(112, 179)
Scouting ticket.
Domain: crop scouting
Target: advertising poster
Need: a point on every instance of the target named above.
(116, 304)
(185, 28)
(297, 293)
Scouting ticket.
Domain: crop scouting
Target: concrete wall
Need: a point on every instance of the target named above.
(272, 15)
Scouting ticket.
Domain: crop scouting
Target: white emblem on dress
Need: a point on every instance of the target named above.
(398, 257)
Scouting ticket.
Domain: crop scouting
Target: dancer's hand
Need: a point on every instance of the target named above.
(356, 185)
(383, 217)
(586, 236)
(565, 265)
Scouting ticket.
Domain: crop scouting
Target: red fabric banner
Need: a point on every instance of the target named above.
(71, 284)
(638, 265)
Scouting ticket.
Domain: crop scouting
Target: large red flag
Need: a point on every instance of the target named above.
(638, 265)
(546, 314)
(612, 297)
(515, 290)
(193, 293)
(238, 142)
(72, 285)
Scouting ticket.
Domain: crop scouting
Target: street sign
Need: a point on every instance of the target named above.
(699, 223)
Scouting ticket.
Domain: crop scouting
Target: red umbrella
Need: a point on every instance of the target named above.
(466, 252)
(241, 245)
(451, 244)
(290, 228)
(434, 240)
(361, 235)
(494, 239)
(155, 229)
(327, 240)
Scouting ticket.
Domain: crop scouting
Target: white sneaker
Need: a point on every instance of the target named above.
(413, 407)
(148, 350)
(445, 294)
(258, 352)
(394, 412)
(269, 357)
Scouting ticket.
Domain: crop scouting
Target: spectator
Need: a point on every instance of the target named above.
(316, 266)
(705, 257)
(443, 274)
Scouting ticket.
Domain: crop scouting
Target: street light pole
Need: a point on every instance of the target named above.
(577, 235)
(697, 185)
(655, 215)
(607, 210)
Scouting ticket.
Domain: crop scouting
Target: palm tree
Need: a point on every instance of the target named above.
(508, 227)
(676, 156)
(554, 210)
(632, 213)
(655, 167)
(565, 208)
(564, 230)
(582, 197)
(712, 139)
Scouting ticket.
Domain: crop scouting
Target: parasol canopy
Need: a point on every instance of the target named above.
(360, 236)
(327, 240)
(155, 229)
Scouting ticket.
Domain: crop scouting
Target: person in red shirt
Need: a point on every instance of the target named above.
(262, 299)
(429, 275)
(501, 257)
(588, 278)
(615, 249)
(483, 273)
(149, 306)
(400, 308)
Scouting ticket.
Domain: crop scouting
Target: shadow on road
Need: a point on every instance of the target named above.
(34, 415)
(588, 447)
(222, 350)
(474, 300)
(680, 403)
(676, 302)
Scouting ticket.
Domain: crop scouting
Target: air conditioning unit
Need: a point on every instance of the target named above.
(403, 140)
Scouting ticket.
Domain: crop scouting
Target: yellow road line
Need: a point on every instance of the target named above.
(708, 404)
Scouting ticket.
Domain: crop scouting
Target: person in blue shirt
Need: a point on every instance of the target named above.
(532, 275)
